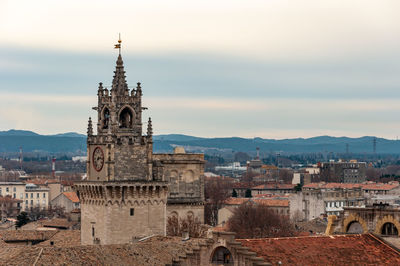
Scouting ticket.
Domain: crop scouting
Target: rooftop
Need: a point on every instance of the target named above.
(324, 250)
(271, 202)
(153, 251)
(72, 196)
(364, 186)
(275, 186)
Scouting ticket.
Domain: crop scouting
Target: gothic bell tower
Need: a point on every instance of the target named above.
(124, 196)
(119, 151)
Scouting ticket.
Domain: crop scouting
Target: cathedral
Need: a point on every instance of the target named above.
(130, 191)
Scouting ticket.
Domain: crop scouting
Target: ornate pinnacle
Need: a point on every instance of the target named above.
(138, 89)
(149, 128)
(100, 91)
(90, 127)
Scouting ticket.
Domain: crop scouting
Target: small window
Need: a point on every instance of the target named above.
(44, 195)
(132, 211)
(93, 231)
(26, 202)
(31, 195)
(37, 195)
(14, 189)
(14, 195)
(26, 195)
(31, 202)
(7, 189)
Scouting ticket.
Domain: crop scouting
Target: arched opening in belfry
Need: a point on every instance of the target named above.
(389, 229)
(126, 118)
(106, 118)
(222, 256)
(354, 228)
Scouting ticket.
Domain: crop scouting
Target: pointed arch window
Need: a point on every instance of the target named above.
(106, 118)
(126, 118)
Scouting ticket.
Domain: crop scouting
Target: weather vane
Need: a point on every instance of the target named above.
(118, 46)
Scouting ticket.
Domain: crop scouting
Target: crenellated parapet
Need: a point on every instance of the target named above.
(105, 193)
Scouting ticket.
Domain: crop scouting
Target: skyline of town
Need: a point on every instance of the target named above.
(268, 70)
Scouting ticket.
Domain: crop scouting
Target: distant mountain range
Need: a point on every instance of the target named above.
(71, 142)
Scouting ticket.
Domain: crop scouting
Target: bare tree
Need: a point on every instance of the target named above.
(251, 220)
(217, 190)
(176, 226)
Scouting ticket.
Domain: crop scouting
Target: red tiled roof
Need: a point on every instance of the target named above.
(324, 250)
(263, 201)
(72, 196)
(272, 202)
(235, 201)
(367, 186)
(275, 186)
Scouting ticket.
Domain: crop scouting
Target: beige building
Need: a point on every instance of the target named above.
(277, 205)
(318, 199)
(68, 200)
(31, 195)
(124, 196)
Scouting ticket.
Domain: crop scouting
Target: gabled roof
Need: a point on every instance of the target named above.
(324, 250)
(72, 196)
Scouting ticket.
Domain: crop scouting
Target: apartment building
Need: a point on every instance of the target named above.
(32, 196)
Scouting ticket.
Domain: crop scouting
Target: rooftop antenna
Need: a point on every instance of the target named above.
(374, 144)
(347, 148)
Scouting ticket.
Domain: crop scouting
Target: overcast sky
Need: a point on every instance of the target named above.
(273, 69)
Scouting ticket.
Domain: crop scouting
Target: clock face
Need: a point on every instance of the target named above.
(98, 159)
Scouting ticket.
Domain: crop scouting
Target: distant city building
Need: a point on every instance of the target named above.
(273, 189)
(324, 199)
(343, 172)
(32, 196)
(277, 204)
(67, 200)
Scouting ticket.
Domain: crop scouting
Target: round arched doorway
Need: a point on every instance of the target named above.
(222, 256)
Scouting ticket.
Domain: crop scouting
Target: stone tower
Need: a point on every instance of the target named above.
(124, 196)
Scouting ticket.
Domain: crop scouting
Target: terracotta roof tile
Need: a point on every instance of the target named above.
(365, 186)
(272, 202)
(57, 223)
(235, 201)
(72, 196)
(324, 250)
(275, 186)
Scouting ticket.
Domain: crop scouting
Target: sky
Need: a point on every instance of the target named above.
(271, 69)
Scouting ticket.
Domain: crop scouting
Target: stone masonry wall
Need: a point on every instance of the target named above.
(130, 162)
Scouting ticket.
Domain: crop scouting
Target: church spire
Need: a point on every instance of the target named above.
(119, 85)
